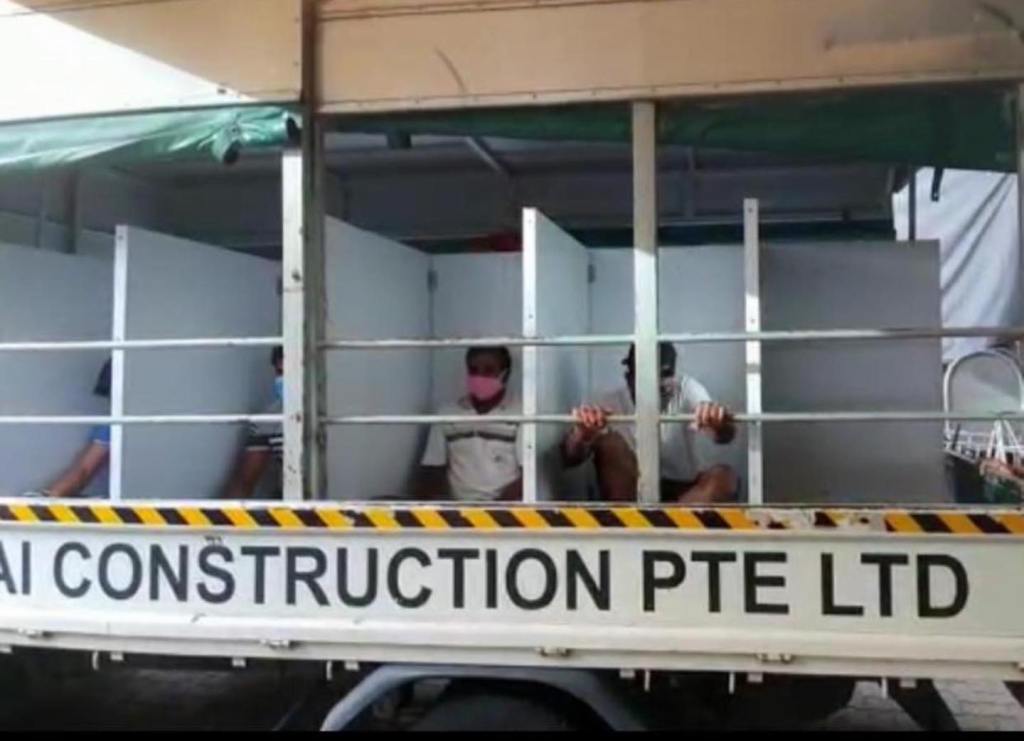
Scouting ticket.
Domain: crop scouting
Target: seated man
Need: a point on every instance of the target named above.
(613, 448)
(480, 461)
(265, 444)
(95, 455)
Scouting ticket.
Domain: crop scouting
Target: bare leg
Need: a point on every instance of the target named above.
(716, 485)
(617, 470)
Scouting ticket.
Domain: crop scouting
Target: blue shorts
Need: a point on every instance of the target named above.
(100, 434)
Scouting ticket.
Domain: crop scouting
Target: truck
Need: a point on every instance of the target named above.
(366, 146)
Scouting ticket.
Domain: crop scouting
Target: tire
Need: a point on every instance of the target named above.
(483, 710)
(15, 685)
(789, 702)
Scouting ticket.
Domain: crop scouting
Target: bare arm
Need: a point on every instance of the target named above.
(247, 473)
(716, 421)
(592, 422)
(82, 471)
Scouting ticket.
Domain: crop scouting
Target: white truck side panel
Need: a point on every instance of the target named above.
(857, 602)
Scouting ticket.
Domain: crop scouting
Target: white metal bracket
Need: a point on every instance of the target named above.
(33, 634)
(277, 644)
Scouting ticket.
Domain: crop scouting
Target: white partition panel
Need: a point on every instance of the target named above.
(181, 289)
(376, 289)
(701, 289)
(556, 302)
(475, 295)
(852, 285)
(611, 312)
(45, 296)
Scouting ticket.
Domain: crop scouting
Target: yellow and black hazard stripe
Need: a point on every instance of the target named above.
(545, 518)
(955, 523)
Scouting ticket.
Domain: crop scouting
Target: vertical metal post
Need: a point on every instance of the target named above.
(912, 205)
(303, 314)
(645, 281)
(752, 312)
(1020, 196)
(531, 354)
(302, 317)
(293, 319)
(316, 318)
(118, 334)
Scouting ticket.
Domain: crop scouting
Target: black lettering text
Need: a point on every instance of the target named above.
(296, 575)
(160, 567)
(652, 581)
(752, 581)
(599, 589)
(5, 573)
(344, 580)
(227, 581)
(26, 568)
(458, 557)
(550, 586)
(395, 582)
(884, 562)
(714, 560)
(828, 591)
(260, 555)
(926, 564)
(491, 578)
(58, 570)
(134, 563)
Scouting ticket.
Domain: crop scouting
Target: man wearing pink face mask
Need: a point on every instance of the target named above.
(613, 446)
(479, 461)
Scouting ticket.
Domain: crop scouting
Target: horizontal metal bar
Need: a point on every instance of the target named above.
(767, 417)
(460, 342)
(212, 342)
(882, 416)
(427, 419)
(692, 338)
(194, 419)
(800, 335)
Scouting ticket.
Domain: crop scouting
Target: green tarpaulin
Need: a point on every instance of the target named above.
(220, 133)
(965, 128)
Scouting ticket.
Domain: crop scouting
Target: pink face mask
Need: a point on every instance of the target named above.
(484, 388)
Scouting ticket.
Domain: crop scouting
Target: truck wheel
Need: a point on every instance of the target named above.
(15, 685)
(493, 710)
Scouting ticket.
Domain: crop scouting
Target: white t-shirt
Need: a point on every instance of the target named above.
(482, 458)
(680, 457)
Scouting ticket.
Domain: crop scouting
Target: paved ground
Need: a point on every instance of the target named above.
(187, 701)
(978, 706)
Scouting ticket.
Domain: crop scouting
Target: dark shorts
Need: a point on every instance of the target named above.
(671, 489)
